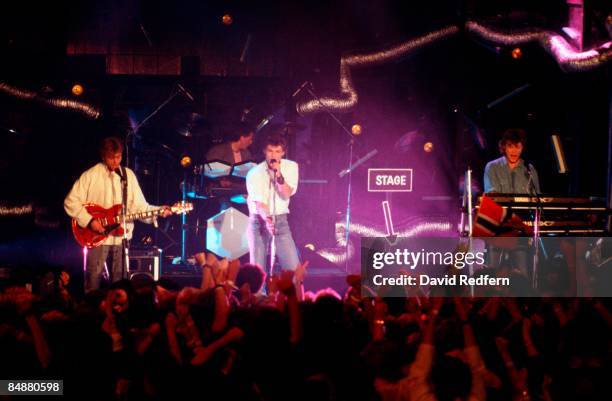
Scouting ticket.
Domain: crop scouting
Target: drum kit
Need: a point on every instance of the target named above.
(217, 178)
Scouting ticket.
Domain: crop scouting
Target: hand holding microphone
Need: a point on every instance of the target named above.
(274, 165)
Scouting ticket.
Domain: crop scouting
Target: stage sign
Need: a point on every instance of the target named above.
(390, 180)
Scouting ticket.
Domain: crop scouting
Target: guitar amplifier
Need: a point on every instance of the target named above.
(146, 261)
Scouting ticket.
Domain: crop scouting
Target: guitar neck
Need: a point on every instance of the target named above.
(140, 215)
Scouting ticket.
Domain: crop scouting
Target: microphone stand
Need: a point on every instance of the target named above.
(536, 228)
(125, 266)
(467, 208)
(273, 239)
(134, 131)
(349, 171)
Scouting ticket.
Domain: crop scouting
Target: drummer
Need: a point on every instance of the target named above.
(233, 151)
(236, 149)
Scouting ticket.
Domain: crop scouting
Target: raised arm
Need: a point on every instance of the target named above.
(472, 353)
(287, 288)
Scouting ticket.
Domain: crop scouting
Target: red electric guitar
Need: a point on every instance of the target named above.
(111, 220)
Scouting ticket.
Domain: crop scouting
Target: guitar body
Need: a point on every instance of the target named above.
(91, 239)
(111, 221)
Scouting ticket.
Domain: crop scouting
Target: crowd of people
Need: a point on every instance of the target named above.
(141, 339)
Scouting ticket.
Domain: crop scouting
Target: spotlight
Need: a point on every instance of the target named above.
(77, 90)
(356, 129)
(516, 53)
(186, 161)
(227, 19)
(428, 147)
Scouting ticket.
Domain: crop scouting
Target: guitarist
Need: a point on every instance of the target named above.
(101, 184)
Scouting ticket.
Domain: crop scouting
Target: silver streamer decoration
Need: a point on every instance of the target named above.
(16, 92)
(60, 103)
(349, 96)
(83, 108)
(412, 228)
(566, 56)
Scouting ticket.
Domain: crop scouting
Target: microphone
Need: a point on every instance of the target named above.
(529, 175)
(528, 168)
(272, 161)
(301, 88)
(184, 91)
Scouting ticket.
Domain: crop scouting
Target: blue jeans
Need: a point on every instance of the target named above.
(259, 240)
(96, 258)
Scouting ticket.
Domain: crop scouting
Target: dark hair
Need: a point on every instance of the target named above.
(252, 274)
(237, 130)
(276, 140)
(110, 145)
(512, 135)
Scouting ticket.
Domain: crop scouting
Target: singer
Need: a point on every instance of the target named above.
(270, 186)
(101, 184)
(510, 174)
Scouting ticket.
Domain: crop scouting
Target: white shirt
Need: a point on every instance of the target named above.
(260, 187)
(103, 187)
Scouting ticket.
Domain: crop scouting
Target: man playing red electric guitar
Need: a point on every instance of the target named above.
(101, 185)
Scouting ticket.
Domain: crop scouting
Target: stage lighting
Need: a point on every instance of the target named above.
(310, 246)
(517, 53)
(428, 147)
(77, 89)
(227, 19)
(356, 129)
(186, 161)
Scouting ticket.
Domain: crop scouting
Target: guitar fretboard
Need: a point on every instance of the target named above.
(140, 215)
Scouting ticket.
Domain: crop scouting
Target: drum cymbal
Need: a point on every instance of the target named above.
(191, 125)
(287, 126)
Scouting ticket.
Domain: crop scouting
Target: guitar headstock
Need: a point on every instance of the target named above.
(181, 207)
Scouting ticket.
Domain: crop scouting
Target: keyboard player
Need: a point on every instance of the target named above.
(510, 174)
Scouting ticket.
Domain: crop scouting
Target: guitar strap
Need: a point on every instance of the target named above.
(124, 185)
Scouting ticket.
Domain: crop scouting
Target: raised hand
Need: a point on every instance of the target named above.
(273, 285)
(436, 305)
(460, 309)
(285, 283)
(354, 280)
(202, 355)
(171, 321)
(300, 271)
(200, 258)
